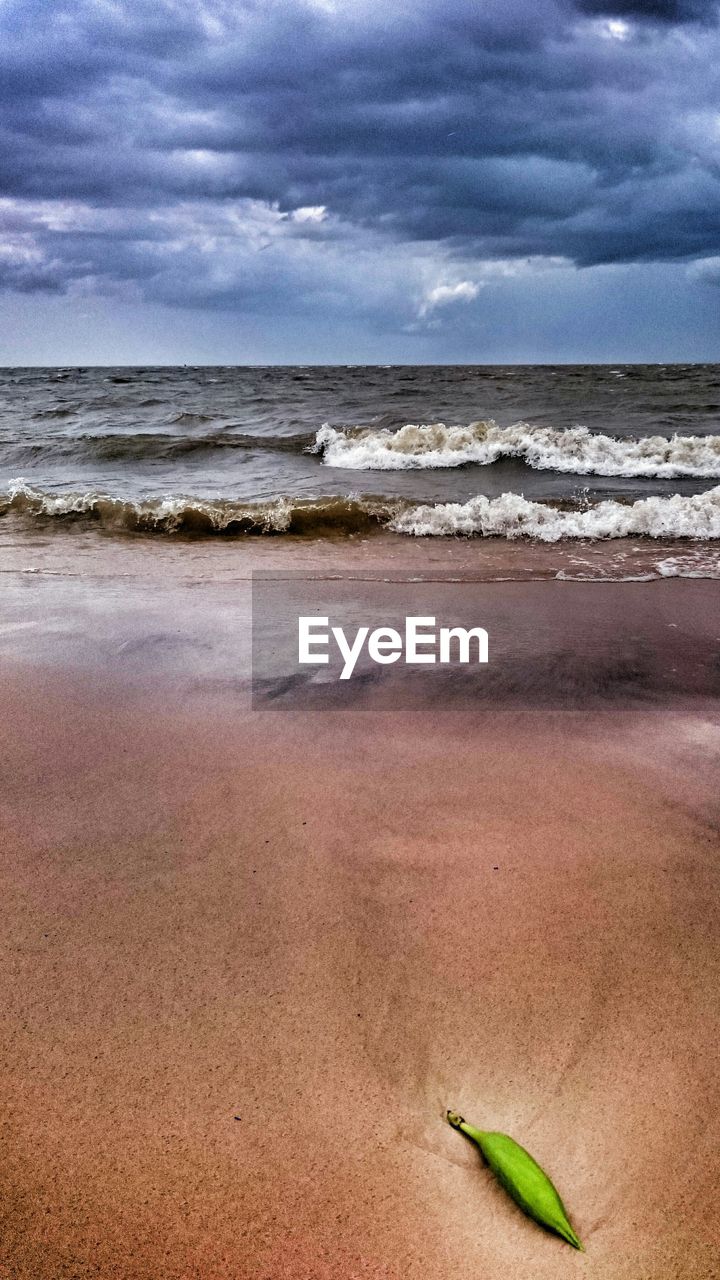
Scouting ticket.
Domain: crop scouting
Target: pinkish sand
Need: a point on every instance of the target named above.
(252, 956)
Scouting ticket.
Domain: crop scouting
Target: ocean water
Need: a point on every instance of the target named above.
(579, 452)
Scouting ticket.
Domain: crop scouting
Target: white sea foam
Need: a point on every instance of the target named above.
(701, 566)
(509, 516)
(576, 450)
(512, 516)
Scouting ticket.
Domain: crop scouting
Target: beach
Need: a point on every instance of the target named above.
(255, 952)
(360, 640)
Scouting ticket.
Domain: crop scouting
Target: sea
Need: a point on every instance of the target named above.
(546, 453)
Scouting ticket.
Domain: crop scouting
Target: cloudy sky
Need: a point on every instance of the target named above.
(359, 180)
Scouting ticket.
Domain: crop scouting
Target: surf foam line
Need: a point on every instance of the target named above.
(508, 516)
(576, 450)
(186, 514)
(512, 516)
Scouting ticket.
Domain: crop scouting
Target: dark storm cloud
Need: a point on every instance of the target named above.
(654, 10)
(586, 130)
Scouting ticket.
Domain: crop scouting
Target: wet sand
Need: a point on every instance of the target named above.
(252, 956)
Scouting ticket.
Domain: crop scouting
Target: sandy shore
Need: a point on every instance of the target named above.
(252, 956)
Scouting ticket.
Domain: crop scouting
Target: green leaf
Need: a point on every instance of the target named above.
(522, 1178)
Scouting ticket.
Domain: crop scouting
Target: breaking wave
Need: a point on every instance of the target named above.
(508, 516)
(512, 516)
(180, 514)
(576, 450)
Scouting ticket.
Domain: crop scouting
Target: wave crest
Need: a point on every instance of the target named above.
(180, 514)
(509, 516)
(512, 516)
(575, 450)
(147, 446)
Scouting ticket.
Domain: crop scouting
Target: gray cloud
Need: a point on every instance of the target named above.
(677, 11)
(162, 148)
